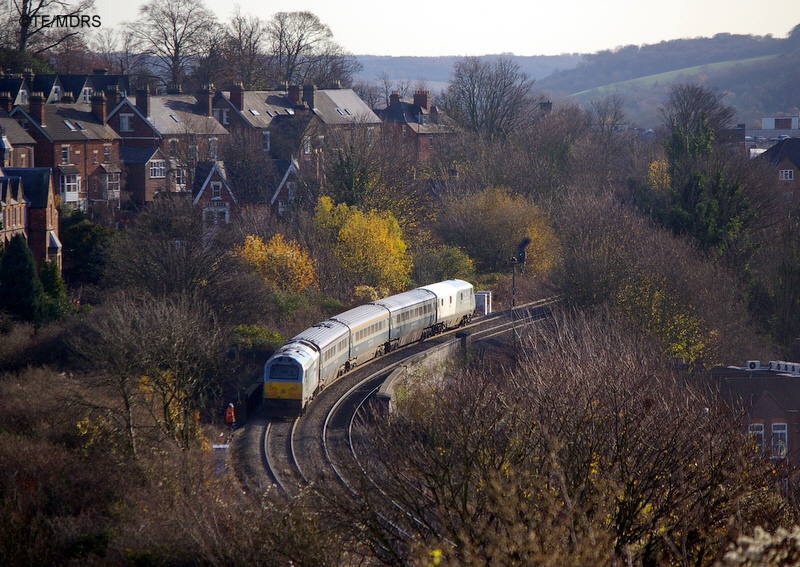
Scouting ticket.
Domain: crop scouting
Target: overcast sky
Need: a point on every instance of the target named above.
(524, 27)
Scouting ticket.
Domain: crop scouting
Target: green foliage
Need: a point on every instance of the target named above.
(349, 179)
(83, 243)
(286, 305)
(57, 303)
(21, 291)
(442, 263)
(257, 337)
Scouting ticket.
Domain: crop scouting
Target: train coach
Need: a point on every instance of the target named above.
(319, 355)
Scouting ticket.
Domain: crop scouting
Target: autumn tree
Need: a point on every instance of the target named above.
(173, 34)
(284, 265)
(489, 225)
(368, 246)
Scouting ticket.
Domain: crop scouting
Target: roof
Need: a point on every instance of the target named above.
(413, 115)
(15, 134)
(180, 114)
(785, 149)
(130, 156)
(36, 183)
(66, 122)
(204, 172)
(342, 106)
(12, 85)
(43, 84)
(74, 84)
(10, 193)
(260, 108)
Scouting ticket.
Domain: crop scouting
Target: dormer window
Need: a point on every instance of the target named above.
(216, 190)
(87, 95)
(56, 93)
(23, 96)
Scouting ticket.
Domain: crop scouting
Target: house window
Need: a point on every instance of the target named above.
(307, 145)
(94, 157)
(77, 158)
(158, 169)
(56, 94)
(65, 154)
(193, 153)
(111, 182)
(87, 95)
(225, 117)
(216, 190)
(756, 431)
(215, 113)
(786, 175)
(126, 122)
(780, 440)
(107, 153)
(23, 124)
(212, 148)
(70, 185)
(266, 136)
(23, 96)
(180, 178)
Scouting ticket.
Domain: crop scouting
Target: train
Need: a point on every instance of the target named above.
(315, 358)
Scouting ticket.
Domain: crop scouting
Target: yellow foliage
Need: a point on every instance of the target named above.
(284, 265)
(647, 301)
(369, 245)
(658, 174)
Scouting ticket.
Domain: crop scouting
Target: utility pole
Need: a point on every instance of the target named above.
(520, 258)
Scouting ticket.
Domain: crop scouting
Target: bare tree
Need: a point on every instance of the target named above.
(489, 98)
(246, 50)
(29, 23)
(173, 32)
(688, 105)
(116, 49)
(302, 49)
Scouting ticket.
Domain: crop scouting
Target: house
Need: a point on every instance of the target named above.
(290, 190)
(416, 124)
(213, 193)
(293, 122)
(768, 397)
(13, 91)
(180, 126)
(41, 218)
(784, 157)
(14, 207)
(81, 88)
(75, 141)
(146, 170)
(49, 85)
(17, 146)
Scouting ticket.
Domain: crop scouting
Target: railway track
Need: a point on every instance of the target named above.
(319, 444)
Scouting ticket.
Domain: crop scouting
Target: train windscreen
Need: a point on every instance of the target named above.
(284, 372)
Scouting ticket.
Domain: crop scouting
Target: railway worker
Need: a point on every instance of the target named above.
(230, 416)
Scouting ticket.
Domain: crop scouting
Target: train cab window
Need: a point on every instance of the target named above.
(284, 372)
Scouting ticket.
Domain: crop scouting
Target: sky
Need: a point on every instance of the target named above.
(468, 27)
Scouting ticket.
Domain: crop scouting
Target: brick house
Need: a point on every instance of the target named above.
(417, 124)
(784, 157)
(75, 141)
(180, 126)
(40, 219)
(213, 193)
(146, 172)
(17, 146)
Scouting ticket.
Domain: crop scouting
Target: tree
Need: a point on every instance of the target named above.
(368, 246)
(28, 23)
(491, 98)
(249, 168)
(246, 50)
(173, 33)
(284, 266)
(83, 243)
(21, 291)
(56, 301)
(488, 225)
(690, 105)
(302, 50)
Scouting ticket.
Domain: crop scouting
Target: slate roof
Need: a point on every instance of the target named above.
(13, 85)
(35, 183)
(44, 84)
(74, 84)
(84, 126)
(342, 106)
(785, 149)
(15, 134)
(180, 114)
(132, 156)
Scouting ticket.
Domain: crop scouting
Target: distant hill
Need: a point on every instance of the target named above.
(435, 71)
(758, 75)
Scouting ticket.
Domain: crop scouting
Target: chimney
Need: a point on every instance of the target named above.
(394, 97)
(36, 107)
(101, 71)
(99, 107)
(112, 97)
(6, 102)
(143, 101)
(237, 96)
(308, 95)
(294, 94)
(204, 98)
(422, 99)
(174, 88)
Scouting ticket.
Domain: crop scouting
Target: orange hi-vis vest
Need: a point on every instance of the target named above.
(229, 417)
